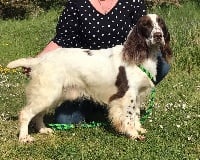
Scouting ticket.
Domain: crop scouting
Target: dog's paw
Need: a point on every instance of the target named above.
(26, 139)
(138, 137)
(133, 134)
(46, 131)
(142, 130)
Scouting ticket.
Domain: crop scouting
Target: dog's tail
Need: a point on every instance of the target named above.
(23, 62)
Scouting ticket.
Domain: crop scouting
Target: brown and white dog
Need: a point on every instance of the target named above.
(107, 76)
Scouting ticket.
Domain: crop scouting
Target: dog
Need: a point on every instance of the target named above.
(107, 76)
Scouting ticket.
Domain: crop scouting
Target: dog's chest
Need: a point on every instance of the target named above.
(151, 66)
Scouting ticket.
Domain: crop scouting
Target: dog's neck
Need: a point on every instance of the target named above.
(151, 62)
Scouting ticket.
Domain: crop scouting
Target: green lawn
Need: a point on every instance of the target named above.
(173, 128)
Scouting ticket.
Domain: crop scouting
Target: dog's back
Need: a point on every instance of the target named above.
(68, 67)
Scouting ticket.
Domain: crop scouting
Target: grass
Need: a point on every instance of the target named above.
(173, 128)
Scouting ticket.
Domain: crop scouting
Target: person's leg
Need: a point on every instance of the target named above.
(69, 113)
(80, 111)
(162, 69)
(93, 111)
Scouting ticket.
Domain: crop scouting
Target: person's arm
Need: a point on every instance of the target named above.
(50, 47)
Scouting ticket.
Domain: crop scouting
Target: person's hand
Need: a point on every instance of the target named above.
(26, 71)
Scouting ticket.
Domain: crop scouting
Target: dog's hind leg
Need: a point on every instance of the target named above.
(24, 120)
(31, 111)
(39, 100)
(39, 124)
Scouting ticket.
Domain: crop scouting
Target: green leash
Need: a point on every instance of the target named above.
(99, 124)
(152, 96)
(71, 126)
(150, 106)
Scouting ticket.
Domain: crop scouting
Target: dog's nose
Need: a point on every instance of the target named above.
(157, 35)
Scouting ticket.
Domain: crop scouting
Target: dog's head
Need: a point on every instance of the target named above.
(153, 29)
(149, 33)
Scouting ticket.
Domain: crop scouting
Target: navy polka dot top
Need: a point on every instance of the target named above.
(81, 25)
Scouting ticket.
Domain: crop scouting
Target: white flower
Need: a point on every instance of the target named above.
(189, 138)
(188, 116)
(184, 106)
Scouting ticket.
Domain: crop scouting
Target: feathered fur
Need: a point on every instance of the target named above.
(107, 76)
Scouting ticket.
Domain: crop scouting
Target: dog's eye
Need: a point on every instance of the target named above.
(146, 24)
(160, 21)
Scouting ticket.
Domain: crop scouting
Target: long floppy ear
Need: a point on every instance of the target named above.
(135, 47)
(166, 49)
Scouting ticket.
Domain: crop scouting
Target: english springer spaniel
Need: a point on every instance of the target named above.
(107, 76)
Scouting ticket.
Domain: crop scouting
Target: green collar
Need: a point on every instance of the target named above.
(147, 73)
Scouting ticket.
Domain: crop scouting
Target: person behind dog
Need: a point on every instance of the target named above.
(95, 24)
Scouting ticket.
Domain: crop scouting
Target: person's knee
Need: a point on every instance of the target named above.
(162, 69)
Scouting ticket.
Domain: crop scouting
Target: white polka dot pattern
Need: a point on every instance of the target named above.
(81, 25)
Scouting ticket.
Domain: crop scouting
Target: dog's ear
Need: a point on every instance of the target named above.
(166, 49)
(135, 48)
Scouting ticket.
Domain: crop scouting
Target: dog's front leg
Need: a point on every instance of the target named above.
(124, 114)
